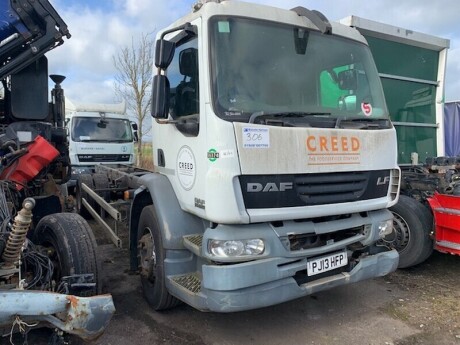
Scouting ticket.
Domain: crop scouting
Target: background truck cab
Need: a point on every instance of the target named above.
(99, 134)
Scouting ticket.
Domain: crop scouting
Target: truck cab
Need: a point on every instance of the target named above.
(275, 160)
(99, 134)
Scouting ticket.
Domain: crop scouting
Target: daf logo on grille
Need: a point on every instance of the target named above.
(268, 187)
(383, 180)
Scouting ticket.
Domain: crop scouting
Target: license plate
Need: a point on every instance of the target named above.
(327, 263)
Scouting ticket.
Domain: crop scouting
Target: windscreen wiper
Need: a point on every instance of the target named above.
(261, 114)
(362, 123)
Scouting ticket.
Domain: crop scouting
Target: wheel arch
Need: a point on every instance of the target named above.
(174, 223)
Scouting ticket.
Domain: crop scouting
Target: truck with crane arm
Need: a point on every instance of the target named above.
(49, 271)
(275, 161)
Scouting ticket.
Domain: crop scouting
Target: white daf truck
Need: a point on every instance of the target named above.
(275, 161)
(99, 134)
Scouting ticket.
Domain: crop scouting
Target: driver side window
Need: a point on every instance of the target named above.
(183, 76)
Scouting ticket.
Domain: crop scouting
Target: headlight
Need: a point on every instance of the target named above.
(236, 248)
(385, 228)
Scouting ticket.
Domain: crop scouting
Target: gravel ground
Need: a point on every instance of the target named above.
(408, 307)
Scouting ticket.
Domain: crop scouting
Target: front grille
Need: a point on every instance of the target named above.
(319, 189)
(103, 158)
(273, 191)
(308, 241)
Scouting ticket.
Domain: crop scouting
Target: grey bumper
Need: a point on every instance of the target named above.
(278, 275)
(284, 289)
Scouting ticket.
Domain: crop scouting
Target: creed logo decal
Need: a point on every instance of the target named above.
(329, 150)
(325, 144)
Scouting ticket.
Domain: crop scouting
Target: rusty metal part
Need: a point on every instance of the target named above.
(86, 317)
(18, 233)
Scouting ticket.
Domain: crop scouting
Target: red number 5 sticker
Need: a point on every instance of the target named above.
(366, 108)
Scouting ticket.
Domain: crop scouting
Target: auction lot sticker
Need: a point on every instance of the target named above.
(256, 138)
(186, 167)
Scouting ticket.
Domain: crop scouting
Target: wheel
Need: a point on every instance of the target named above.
(412, 225)
(80, 193)
(151, 256)
(69, 241)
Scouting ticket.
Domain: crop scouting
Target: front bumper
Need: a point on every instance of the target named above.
(280, 274)
(287, 289)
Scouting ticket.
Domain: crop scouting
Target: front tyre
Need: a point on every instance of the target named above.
(70, 244)
(151, 256)
(412, 225)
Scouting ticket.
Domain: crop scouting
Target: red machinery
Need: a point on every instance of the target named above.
(446, 211)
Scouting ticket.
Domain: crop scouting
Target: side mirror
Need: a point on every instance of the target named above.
(164, 53)
(160, 97)
(164, 49)
(29, 92)
(348, 80)
(135, 135)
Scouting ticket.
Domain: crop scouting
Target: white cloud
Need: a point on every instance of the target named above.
(135, 8)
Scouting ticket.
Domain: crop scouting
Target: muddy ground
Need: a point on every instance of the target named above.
(415, 306)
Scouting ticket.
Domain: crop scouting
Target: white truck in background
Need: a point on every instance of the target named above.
(99, 134)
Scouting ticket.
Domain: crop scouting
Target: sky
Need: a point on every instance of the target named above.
(101, 28)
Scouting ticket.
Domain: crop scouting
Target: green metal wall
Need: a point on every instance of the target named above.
(409, 75)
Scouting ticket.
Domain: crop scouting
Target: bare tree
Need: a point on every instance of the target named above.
(133, 82)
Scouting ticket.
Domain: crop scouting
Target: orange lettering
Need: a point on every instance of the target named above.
(310, 143)
(344, 144)
(334, 141)
(354, 144)
(323, 144)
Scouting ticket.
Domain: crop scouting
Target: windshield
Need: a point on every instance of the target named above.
(98, 129)
(265, 68)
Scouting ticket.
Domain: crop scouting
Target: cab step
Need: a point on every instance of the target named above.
(193, 243)
(191, 282)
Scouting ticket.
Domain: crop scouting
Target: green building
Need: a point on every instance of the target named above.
(412, 68)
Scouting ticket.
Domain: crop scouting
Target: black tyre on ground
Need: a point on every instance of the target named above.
(151, 256)
(413, 223)
(70, 243)
(80, 193)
